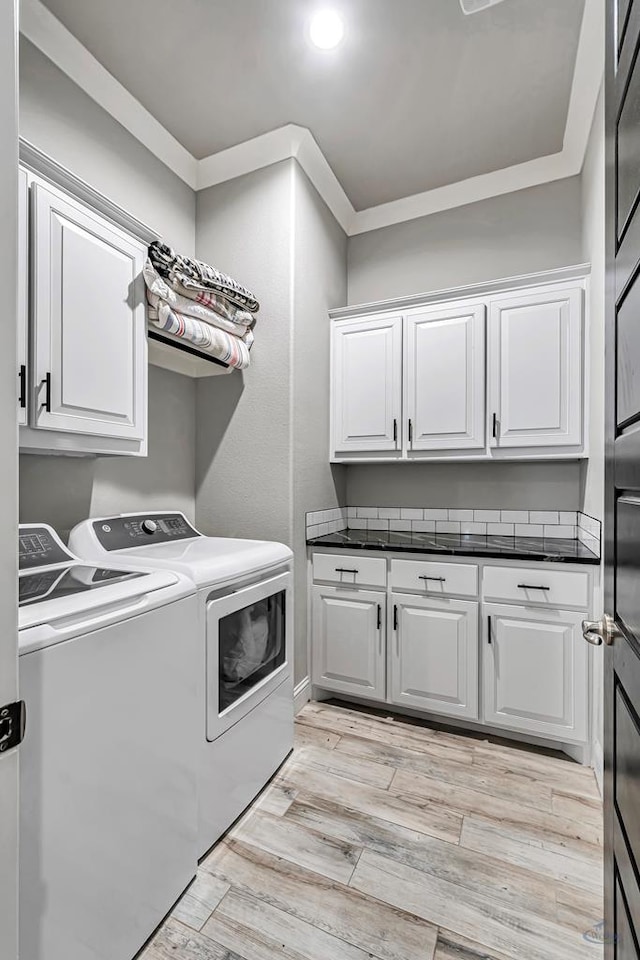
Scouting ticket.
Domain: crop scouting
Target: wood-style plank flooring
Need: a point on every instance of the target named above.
(390, 840)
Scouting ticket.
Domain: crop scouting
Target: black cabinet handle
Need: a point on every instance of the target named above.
(439, 579)
(47, 394)
(22, 380)
(531, 586)
(344, 570)
(495, 426)
(410, 431)
(395, 430)
(379, 615)
(395, 616)
(489, 637)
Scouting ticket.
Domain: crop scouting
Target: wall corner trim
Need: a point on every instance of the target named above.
(301, 694)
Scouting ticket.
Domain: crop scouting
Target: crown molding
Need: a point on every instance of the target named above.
(295, 142)
(52, 38)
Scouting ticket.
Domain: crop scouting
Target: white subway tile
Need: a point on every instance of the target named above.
(324, 530)
(590, 524)
(352, 512)
(569, 517)
(501, 529)
(411, 513)
(357, 523)
(389, 513)
(368, 513)
(487, 516)
(529, 530)
(447, 526)
(423, 526)
(312, 531)
(474, 527)
(460, 515)
(377, 524)
(543, 516)
(430, 514)
(560, 531)
(514, 516)
(401, 526)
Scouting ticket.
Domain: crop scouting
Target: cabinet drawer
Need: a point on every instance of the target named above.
(434, 577)
(350, 571)
(558, 588)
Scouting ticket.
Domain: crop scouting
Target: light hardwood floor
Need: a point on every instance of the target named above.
(386, 839)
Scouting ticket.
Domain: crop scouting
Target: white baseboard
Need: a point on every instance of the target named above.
(597, 762)
(301, 694)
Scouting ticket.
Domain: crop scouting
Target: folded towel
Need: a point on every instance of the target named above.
(159, 289)
(224, 346)
(196, 275)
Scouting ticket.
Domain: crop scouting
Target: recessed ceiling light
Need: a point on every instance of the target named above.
(326, 29)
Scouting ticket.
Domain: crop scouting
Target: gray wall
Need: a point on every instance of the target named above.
(64, 490)
(511, 486)
(57, 116)
(243, 441)
(320, 283)
(522, 232)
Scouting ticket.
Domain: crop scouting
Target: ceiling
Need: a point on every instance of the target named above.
(417, 96)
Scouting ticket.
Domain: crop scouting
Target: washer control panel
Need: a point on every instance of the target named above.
(38, 546)
(121, 533)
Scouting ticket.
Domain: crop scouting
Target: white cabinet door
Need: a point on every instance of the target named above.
(536, 369)
(445, 378)
(90, 351)
(367, 385)
(22, 340)
(535, 671)
(348, 648)
(434, 655)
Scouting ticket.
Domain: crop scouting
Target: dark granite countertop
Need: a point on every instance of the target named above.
(515, 548)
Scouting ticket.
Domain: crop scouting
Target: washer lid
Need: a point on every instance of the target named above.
(210, 560)
(76, 590)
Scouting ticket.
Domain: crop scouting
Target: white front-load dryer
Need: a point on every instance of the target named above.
(108, 782)
(245, 640)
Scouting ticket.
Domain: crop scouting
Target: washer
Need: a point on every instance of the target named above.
(246, 649)
(108, 813)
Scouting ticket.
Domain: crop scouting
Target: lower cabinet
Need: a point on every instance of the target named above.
(434, 655)
(535, 671)
(349, 641)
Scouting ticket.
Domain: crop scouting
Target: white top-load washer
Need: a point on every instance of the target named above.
(108, 784)
(246, 648)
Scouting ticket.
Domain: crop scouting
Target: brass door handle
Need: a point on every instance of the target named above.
(597, 631)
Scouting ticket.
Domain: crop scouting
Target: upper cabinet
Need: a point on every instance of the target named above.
(492, 377)
(367, 385)
(23, 295)
(444, 378)
(535, 377)
(82, 364)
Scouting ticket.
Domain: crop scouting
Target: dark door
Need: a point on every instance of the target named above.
(621, 632)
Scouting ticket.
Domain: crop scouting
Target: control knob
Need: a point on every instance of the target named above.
(149, 526)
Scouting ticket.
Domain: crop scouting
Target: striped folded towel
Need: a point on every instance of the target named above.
(159, 289)
(195, 275)
(219, 344)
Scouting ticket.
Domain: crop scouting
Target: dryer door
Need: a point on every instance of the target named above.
(249, 649)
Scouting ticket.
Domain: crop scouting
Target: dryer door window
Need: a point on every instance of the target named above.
(251, 646)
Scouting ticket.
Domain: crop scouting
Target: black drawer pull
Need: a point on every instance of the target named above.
(395, 616)
(489, 630)
(344, 570)
(22, 379)
(410, 432)
(379, 616)
(531, 586)
(439, 579)
(395, 431)
(47, 396)
(494, 426)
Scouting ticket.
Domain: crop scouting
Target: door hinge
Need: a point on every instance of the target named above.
(13, 719)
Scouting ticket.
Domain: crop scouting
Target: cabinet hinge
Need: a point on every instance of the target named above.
(13, 717)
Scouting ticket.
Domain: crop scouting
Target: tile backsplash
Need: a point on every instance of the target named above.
(551, 524)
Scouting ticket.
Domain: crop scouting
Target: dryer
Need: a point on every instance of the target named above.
(108, 805)
(245, 640)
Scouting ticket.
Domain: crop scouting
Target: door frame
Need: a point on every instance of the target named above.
(9, 446)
